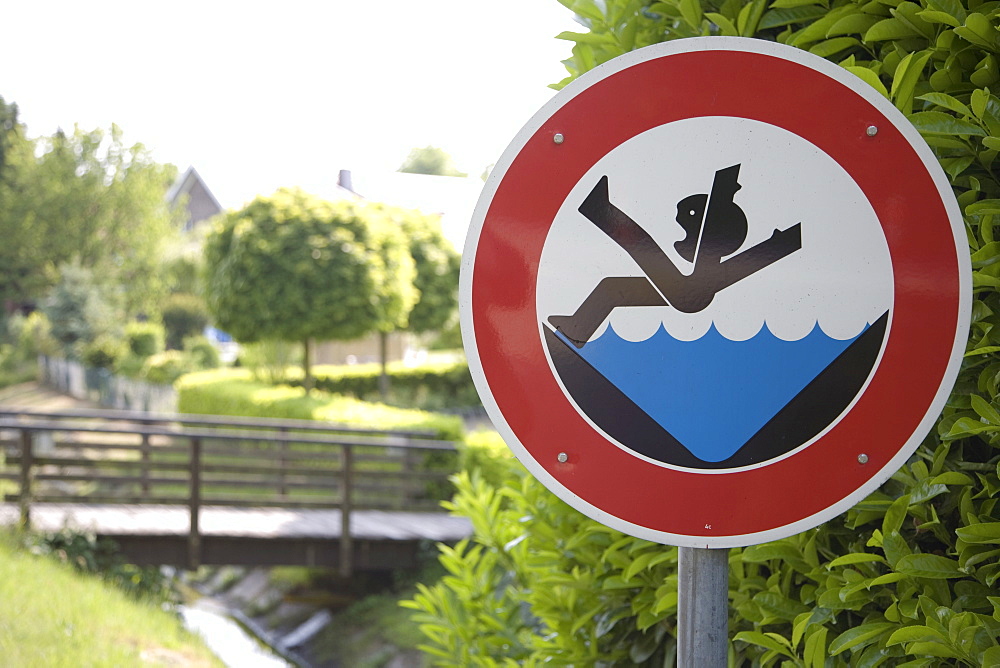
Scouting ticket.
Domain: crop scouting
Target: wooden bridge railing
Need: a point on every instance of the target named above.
(194, 461)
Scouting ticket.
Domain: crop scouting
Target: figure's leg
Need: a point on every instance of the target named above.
(634, 240)
(609, 294)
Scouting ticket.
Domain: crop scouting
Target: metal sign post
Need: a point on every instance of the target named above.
(702, 607)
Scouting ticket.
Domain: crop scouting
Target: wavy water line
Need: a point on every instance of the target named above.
(817, 327)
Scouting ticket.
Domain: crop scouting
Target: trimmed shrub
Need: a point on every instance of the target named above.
(430, 386)
(32, 336)
(183, 316)
(484, 453)
(166, 367)
(103, 352)
(233, 392)
(144, 338)
(271, 361)
(203, 354)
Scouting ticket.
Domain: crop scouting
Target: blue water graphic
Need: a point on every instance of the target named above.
(712, 394)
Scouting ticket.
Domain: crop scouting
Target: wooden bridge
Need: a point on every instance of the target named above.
(189, 490)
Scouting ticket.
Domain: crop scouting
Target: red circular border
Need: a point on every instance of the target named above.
(673, 87)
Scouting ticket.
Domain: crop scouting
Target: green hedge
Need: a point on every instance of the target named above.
(234, 392)
(432, 386)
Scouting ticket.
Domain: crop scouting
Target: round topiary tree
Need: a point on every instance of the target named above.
(292, 267)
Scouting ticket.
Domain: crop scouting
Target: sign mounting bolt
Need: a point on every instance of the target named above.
(862, 458)
(558, 138)
(562, 457)
(871, 131)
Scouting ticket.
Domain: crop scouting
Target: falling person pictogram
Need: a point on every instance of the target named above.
(715, 227)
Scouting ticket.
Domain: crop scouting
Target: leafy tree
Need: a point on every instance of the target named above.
(11, 136)
(87, 198)
(82, 309)
(437, 264)
(22, 279)
(183, 315)
(295, 268)
(906, 577)
(430, 160)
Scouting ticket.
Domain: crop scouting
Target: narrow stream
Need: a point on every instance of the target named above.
(227, 639)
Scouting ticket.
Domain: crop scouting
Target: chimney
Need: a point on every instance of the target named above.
(344, 180)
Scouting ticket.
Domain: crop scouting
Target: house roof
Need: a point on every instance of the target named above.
(183, 185)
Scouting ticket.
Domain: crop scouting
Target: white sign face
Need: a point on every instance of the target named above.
(691, 294)
(775, 330)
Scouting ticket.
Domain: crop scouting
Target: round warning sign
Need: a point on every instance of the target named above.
(715, 292)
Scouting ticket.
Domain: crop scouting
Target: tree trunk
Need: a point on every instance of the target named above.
(307, 378)
(383, 350)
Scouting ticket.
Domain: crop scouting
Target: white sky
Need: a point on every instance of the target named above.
(260, 95)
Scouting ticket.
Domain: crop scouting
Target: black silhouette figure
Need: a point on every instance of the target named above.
(715, 227)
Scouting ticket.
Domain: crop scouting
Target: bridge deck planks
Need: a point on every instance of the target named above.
(139, 520)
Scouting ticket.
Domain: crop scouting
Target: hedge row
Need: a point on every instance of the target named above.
(434, 385)
(234, 392)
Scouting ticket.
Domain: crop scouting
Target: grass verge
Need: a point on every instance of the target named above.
(52, 616)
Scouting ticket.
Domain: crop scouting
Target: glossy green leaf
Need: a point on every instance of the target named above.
(984, 409)
(726, 26)
(933, 16)
(852, 24)
(916, 633)
(869, 78)
(856, 558)
(785, 4)
(953, 8)
(691, 11)
(929, 566)
(987, 532)
(937, 122)
(814, 654)
(859, 636)
(768, 640)
(889, 29)
(827, 48)
(775, 18)
(779, 606)
(946, 101)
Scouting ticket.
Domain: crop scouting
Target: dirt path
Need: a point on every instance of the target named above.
(36, 396)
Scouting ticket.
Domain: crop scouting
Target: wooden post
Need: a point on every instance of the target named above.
(27, 462)
(194, 535)
(144, 453)
(282, 464)
(346, 544)
(409, 466)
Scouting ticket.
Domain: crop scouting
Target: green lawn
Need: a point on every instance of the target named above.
(51, 616)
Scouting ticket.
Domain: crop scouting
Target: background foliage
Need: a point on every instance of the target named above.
(907, 577)
(293, 267)
(430, 160)
(86, 198)
(432, 385)
(233, 392)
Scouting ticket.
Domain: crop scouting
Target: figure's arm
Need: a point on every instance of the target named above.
(781, 244)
